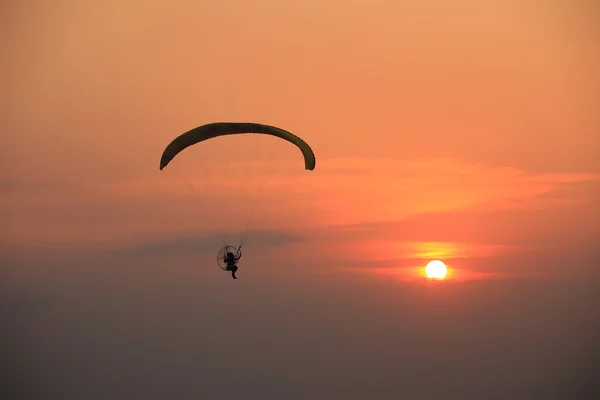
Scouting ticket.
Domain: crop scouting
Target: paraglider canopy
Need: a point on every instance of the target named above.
(216, 129)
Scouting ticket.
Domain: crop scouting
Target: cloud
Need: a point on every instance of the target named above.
(342, 191)
(548, 206)
(551, 234)
(200, 244)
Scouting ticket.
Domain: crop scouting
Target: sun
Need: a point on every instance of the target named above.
(436, 269)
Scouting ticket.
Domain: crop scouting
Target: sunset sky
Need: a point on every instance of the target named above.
(464, 131)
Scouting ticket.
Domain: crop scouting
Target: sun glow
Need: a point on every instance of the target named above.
(436, 270)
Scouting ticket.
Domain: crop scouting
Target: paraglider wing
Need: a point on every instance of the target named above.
(209, 131)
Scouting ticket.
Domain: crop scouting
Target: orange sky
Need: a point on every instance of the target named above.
(469, 130)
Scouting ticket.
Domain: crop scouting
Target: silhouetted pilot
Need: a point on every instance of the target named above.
(231, 261)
